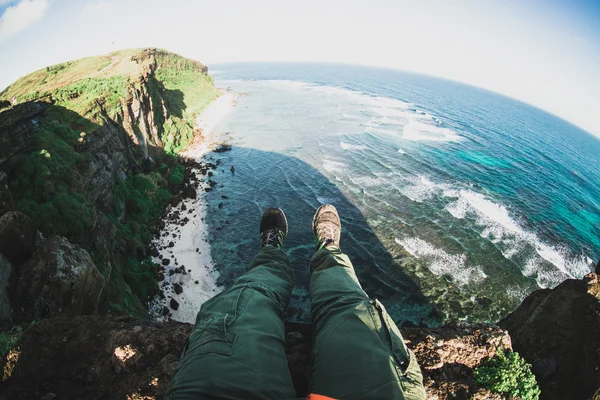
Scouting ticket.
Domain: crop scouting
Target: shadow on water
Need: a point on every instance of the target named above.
(262, 179)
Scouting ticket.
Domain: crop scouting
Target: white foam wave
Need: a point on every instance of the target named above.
(348, 146)
(334, 166)
(442, 263)
(422, 189)
(401, 151)
(501, 228)
(419, 131)
(369, 181)
(327, 200)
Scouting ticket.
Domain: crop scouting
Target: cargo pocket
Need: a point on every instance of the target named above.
(211, 336)
(407, 369)
(212, 333)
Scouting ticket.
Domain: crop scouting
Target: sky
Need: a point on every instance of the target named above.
(543, 52)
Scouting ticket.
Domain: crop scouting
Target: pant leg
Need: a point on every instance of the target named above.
(237, 347)
(358, 352)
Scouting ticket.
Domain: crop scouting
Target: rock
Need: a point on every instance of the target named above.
(196, 282)
(165, 311)
(83, 367)
(543, 367)
(177, 287)
(189, 192)
(153, 251)
(447, 356)
(597, 270)
(220, 205)
(232, 169)
(18, 127)
(60, 280)
(6, 199)
(174, 304)
(17, 237)
(171, 244)
(5, 286)
(165, 261)
(557, 331)
(222, 148)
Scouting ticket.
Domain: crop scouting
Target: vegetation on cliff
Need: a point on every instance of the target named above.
(102, 167)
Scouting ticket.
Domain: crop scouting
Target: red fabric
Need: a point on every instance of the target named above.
(313, 396)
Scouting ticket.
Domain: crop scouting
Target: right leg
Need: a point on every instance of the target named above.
(358, 352)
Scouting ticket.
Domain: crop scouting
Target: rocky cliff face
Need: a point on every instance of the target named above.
(78, 135)
(557, 331)
(17, 132)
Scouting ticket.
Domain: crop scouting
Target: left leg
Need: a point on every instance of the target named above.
(237, 347)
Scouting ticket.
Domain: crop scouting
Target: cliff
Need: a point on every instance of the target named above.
(88, 153)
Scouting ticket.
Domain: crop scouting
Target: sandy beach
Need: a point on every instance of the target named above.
(190, 278)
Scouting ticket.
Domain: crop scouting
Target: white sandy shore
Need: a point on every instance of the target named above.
(191, 248)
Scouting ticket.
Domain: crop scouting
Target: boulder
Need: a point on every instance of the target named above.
(60, 280)
(189, 192)
(557, 331)
(5, 304)
(17, 237)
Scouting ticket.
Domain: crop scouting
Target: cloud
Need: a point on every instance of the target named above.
(20, 16)
(97, 7)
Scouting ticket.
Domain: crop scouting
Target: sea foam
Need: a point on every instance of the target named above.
(500, 227)
(442, 263)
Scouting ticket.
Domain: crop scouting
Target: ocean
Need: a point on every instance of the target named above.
(456, 202)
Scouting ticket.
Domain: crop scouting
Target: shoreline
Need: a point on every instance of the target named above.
(189, 274)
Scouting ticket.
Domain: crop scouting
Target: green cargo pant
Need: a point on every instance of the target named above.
(237, 347)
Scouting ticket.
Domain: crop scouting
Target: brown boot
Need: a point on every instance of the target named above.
(327, 227)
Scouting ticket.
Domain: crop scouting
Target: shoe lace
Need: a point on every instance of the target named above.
(326, 235)
(272, 237)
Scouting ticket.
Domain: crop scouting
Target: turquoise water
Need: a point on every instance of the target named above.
(456, 202)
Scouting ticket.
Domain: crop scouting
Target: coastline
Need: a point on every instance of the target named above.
(189, 275)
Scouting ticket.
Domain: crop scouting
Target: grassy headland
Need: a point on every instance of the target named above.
(87, 178)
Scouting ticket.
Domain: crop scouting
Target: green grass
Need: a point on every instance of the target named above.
(8, 339)
(508, 373)
(83, 94)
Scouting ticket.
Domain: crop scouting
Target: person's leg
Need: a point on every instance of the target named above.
(358, 352)
(237, 348)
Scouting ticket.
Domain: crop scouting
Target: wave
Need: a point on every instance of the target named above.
(419, 131)
(422, 189)
(439, 262)
(515, 241)
(401, 151)
(348, 146)
(334, 166)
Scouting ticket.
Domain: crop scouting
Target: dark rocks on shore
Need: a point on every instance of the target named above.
(189, 192)
(174, 304)
(165, 261)
(222, 148)
(178, 288)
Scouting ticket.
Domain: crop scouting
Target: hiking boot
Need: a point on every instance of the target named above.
(273, 228)
(327, 227)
